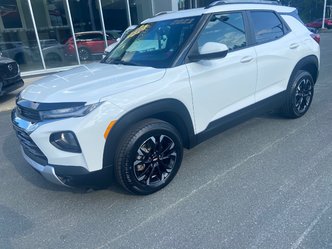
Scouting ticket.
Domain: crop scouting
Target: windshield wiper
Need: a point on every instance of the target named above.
(121, 62)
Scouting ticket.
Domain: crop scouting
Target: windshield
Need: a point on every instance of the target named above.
(153, 44)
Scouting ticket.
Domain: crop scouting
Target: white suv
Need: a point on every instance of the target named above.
(173, 82)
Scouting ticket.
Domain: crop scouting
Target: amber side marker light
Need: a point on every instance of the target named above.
(109, 127)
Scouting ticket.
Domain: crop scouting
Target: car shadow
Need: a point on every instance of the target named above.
(12, 154)
(272, 115)
(12, 226)
(6, 97)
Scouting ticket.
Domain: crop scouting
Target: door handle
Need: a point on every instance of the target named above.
(294, 45)
(246, 59)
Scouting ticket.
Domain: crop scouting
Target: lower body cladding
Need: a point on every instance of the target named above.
(68, 176)
(44, 150)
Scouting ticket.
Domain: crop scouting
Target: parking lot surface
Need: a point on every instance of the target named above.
(266, 183)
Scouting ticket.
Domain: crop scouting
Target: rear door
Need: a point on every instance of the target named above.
(277, 52)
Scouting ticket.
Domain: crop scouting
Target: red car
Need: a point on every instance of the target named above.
(318, 23)
(89, 44)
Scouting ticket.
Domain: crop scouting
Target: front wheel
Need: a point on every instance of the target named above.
(148, 157)
(299, 95)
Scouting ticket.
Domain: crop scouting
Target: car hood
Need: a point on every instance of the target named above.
(5, 60)
(89, 83)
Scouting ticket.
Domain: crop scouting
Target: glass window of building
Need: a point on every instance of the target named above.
(140, 10)
(51, 17)
(203, 3)
(10, 15)
(17, 36)
(88, 31)
(41, 34)
(185, 4)
(115, 17)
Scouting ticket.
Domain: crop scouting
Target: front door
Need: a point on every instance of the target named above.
(223, 86)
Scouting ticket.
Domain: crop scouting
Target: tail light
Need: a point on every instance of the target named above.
(316, 37)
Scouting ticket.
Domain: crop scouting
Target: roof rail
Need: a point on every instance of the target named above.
(222, 2)
(163, 13)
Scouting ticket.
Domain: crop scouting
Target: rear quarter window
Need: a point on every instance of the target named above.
(267, 26)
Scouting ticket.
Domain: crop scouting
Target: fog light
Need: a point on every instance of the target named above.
(66, 141)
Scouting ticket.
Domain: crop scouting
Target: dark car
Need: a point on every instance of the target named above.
(10, 78)
(17, 51)
(318, 23)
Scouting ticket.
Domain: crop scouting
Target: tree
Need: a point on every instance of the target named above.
(308, 9)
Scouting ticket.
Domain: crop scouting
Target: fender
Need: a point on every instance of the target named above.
(169, 110)
(308, 63)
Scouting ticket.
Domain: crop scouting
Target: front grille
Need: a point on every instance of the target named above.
(29, 147)
(12, 81)
(9, 70)
(28, 114)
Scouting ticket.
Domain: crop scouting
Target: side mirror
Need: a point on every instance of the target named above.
(210, 51)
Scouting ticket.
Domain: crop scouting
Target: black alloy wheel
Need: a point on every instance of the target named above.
(155, 160)
(148, 156)
(303, 95)
(300, 93)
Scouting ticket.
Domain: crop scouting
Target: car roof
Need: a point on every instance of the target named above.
(89, 32)
(218, 8)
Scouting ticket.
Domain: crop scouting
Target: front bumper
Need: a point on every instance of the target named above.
(62, 167)
(7, 86)
(46, 171)
(58, 174)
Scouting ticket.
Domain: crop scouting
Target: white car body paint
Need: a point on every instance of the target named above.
(207, 94)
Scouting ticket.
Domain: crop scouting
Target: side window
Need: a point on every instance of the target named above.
(98, 37)
(94, 37)
(225, 28)
(267, 26)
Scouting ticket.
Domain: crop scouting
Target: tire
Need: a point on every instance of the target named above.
(20, 58)
(299, 95)
(84, 54)
(53, 59)
(148, 156)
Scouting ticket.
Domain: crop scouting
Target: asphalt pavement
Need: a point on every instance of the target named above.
(266, 183)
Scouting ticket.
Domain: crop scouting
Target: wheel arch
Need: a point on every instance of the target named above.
(52, 53)
(310, 64)
(169, 110)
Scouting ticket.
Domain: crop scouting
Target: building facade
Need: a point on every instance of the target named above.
(39, 34)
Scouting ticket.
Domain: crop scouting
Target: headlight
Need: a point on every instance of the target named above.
(70, 112)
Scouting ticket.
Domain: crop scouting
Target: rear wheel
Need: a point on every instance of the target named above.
(84, 54)
(53, 59)
(148, 156)
(299, 95)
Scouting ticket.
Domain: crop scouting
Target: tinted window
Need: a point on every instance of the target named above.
(227, 29)
(267, 26)
(92, 36)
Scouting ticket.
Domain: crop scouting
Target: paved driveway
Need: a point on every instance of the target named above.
(266, 183)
